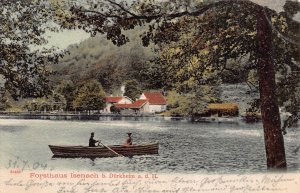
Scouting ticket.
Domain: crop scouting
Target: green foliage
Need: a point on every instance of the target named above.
(288, 79)
(181, 104)
(4, 102)
(192, 103)
(23, 66)
(38, 104)
(252, 79)
(14, 109)
(154, 76)
(67, 89)
(198, 50)
(53, 102)
(90, 96)
(110, 76)
(254, 106)
(132, 89)
(289, 92)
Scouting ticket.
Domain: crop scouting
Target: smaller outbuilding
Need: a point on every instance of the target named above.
(223, 109)
(113, 100)
(138, 107)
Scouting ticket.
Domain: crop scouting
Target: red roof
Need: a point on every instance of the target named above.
(136, 105)
(155, 98)
(139, 103)
(126, 106)
(113, 99)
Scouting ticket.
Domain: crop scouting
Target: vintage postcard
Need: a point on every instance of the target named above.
(149, 96)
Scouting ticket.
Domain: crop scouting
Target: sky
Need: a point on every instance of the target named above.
(63, 39)
(276, 5)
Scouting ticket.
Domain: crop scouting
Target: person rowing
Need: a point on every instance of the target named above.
(128, 140)
(92, 141)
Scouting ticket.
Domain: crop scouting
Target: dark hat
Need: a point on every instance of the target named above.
(128, 133)
(92, 133)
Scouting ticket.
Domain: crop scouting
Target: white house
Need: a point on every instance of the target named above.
(112, 100)
(141, 106)
(157, 102)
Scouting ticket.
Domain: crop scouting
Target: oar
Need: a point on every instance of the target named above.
(111, 150)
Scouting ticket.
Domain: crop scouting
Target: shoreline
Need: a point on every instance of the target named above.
(112, 117)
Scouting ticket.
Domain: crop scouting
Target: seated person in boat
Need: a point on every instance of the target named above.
(129, 140)
(92, 141)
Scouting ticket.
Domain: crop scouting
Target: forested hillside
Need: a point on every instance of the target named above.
(97, 58)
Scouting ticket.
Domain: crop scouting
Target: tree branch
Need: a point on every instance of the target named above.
(122, 8)
(201, 10)
(98, 13)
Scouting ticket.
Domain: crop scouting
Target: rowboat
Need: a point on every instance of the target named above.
(104, 151)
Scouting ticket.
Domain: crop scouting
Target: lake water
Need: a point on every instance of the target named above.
(184, 147)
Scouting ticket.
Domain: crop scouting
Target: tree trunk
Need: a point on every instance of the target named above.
(274, 143)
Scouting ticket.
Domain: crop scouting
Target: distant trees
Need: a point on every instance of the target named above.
(90, 96)
(109, 75)
(54, 102)
(138, 67)
(67, 89)
(132, 89)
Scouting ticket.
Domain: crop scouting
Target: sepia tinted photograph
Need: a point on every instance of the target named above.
(149, 96)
